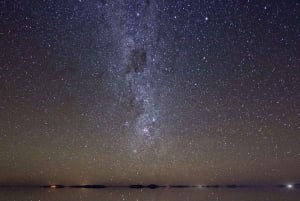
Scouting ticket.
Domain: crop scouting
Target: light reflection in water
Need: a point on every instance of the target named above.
(197, 194)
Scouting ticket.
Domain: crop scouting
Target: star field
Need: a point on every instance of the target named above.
(145, 91)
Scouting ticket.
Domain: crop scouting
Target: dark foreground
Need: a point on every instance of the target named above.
(146, 194)
(154, 186)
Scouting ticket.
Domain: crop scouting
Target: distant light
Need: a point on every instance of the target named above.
(52, 186)
(289, 186)
(145, 130)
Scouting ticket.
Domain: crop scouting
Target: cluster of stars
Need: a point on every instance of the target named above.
(149, 91)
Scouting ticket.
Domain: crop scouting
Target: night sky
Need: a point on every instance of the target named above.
(121, 92)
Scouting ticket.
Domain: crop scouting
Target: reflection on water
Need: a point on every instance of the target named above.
(111, 194)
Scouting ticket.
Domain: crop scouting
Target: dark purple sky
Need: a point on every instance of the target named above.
(144, 91)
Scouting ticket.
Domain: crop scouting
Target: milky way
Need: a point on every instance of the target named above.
(134, 30)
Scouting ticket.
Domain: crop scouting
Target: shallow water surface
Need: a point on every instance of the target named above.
(114, 194)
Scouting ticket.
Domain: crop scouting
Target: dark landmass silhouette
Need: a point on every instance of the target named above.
(136, 186)
(212, 186)
(155, 186)
(281, 186)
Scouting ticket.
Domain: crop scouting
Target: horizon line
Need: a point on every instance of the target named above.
(153, 186)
